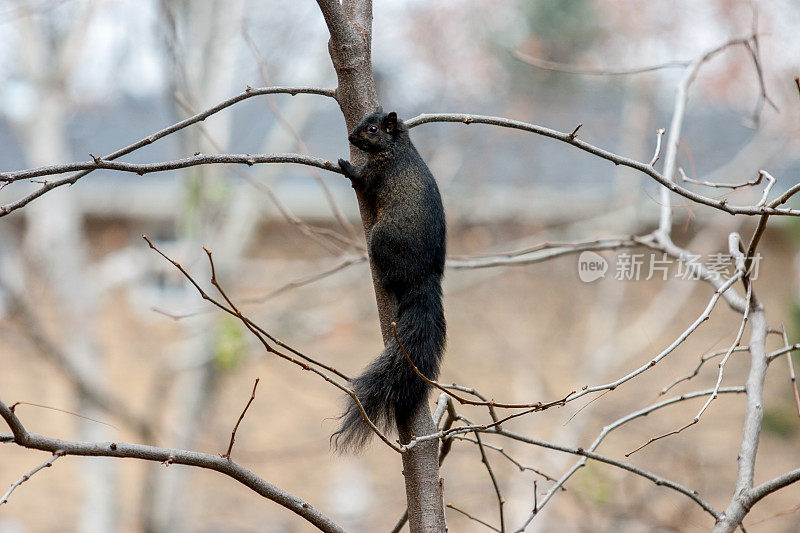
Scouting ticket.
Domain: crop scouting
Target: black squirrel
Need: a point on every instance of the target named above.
(407, 249)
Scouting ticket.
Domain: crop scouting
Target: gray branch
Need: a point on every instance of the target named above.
(569, 138)
(248, 93)
(148, 168)
(745, 495)
(168, 456)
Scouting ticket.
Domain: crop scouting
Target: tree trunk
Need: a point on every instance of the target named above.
(350, 26)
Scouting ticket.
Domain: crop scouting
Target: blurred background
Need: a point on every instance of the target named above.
(95, 323)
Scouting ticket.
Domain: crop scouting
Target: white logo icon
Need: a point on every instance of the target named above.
(591, 266)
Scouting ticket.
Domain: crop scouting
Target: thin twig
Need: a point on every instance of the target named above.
(659, 134)
(537, 406)
(470, 390)
(227, 454)
(500, 500)
(589, 71)
(732, 186)
(338, 267)
(791, 510)
(715, 392)
(72, 413)
(350, 392)
(702, 362)
(549, 250)
(791, 369)
(675, 129)
(265, 78)
(444, 434)
(26, 477)
(398, 526)
(754, 51)
(511, 459)
(768, 188)
(574, 132)
(478, 520)
(781, 351)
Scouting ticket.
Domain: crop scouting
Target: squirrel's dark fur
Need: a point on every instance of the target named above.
(407, 250)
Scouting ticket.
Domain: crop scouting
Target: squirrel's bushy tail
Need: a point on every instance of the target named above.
(389, 390)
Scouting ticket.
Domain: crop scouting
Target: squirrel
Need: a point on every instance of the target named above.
(407, 249)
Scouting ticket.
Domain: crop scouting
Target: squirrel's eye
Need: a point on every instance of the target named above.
(373, 128)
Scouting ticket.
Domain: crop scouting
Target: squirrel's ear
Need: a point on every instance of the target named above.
(390, 122)
(379, 109)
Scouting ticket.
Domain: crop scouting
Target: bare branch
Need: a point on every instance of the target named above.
(604, 154)
(615, 425)
(768, 487)
(742, 497)
(781, 351)
(35, 441)
(658, 480)
(249, 93)
(147, 168)
(398, 526)
(470, 390)
(714, 393)
(669, 349)
(262, 67)
(754, 50)
(307, 229)
(258, 328)
(676, 125)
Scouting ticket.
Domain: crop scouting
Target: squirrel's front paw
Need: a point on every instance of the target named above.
(346, 167)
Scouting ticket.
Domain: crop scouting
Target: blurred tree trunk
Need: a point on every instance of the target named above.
(202, 54)
(55, 241)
